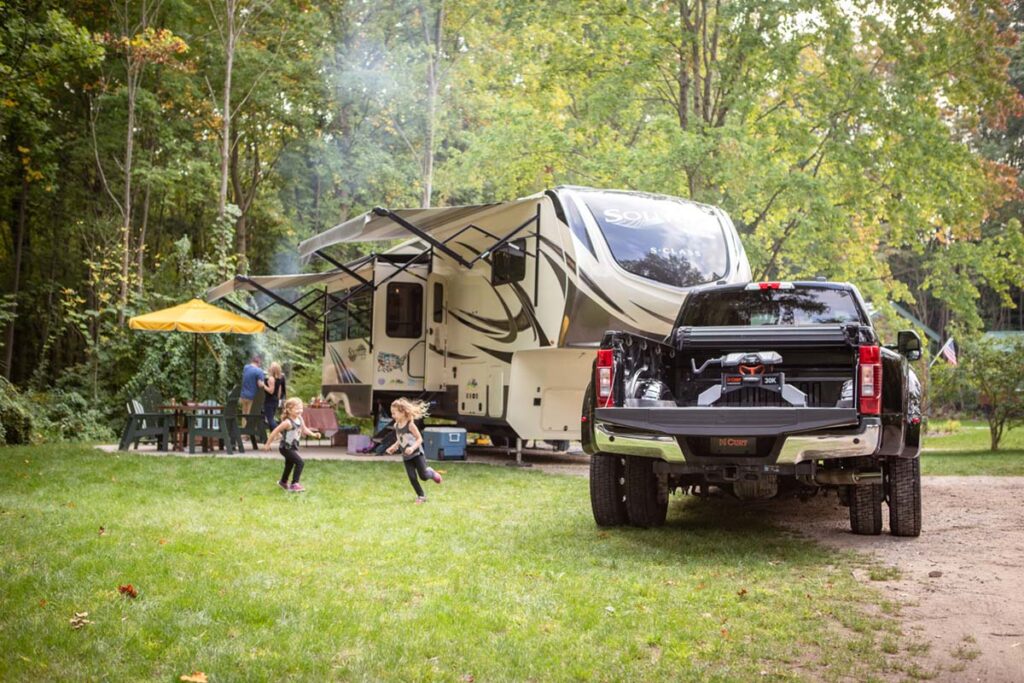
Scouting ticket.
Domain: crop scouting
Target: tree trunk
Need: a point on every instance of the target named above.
(241, 238)
(225, 149)
(995, 432)
(126, 208)
(142, 237)
(432, 88)
(18, 242)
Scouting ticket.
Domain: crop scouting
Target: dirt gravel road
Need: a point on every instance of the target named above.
(961, 582)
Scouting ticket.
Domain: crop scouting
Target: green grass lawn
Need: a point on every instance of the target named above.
(502, 575)
(967, 452)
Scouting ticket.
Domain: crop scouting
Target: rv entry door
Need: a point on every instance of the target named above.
(399, 339)
(437, 375)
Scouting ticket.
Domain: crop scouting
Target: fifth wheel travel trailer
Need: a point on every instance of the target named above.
(493, 312)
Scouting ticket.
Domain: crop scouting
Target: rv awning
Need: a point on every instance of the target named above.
(278, 283)
(436, 224)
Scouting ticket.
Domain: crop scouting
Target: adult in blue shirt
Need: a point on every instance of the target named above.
(253, 378)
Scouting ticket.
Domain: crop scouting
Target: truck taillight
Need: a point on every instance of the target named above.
(603, 380)
(870, 376)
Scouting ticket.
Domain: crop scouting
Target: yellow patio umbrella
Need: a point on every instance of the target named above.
(197, 317)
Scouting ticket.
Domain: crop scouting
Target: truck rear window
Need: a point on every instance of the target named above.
(801, 306)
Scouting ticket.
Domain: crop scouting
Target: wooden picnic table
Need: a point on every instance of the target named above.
(179, 430)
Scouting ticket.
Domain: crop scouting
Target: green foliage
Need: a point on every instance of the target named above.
(876, 149)
(16, 419)
(992, 369)
(62, 415)
(933, 427)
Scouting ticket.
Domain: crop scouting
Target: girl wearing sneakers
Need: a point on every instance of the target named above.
(408, 438)
(293, 427)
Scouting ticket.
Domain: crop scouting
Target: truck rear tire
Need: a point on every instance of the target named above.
(904, 480)
(866, 509)
(607, 493)
(642, 505)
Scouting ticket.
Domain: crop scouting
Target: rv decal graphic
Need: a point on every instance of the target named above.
(344, 374)
(559, 274)
(472, 384)
(503, 356)
(451, 354)
(604, 297)
(648, 311)
(524, 301)
(356, 353)
(389, 362)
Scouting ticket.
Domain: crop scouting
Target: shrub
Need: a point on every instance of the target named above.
(15, 415)
(65, 415)
(934, 427)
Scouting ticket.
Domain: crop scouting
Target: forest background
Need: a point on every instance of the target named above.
(152, 148)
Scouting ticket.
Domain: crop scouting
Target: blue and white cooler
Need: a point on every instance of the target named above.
(444, 443)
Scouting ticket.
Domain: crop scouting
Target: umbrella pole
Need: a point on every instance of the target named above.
(195, 355)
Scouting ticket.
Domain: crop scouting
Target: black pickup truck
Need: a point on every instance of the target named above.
(760, 390)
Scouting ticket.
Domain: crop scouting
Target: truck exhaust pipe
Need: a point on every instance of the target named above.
(847, 478)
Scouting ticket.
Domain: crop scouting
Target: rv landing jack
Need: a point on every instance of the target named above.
(519, 456)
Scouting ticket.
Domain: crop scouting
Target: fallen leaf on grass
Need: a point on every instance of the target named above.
(69, 504)
(195, 677)
(79, 620)
(162, 541)
(42, 603)
(103, 532)
(468, 678)
(129, 590)
(725, 633)
(742, 592)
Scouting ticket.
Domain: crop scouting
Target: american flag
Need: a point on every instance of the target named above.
(948, 351)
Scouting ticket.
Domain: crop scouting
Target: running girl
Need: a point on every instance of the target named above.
(408, 438)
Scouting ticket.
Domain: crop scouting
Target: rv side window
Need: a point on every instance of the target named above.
(438, 302)
(350, 320)
(405, 310)
(508, 264)
(360, 315)
(337, 324)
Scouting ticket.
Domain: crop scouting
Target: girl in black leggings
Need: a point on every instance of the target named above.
(408, 438)
(293, 427)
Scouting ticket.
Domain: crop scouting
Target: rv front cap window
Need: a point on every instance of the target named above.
(666, 240)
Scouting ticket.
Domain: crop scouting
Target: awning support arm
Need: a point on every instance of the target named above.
(249, 314)
(505, 240)
(346, 269)
(281, 300)
(305, 308)
(440, 246)
(296, 302)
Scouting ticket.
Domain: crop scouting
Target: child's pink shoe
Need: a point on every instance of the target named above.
(420, 499)
(437, 478)
(284, 485)
(297, 488)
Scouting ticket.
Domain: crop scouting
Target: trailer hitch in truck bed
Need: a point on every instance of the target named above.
(745, 369)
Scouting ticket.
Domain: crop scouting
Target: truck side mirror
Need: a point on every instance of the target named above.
(909, 344)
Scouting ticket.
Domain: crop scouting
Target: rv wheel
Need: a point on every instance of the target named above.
(642, 500)
(607, 493)
(865, 509)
